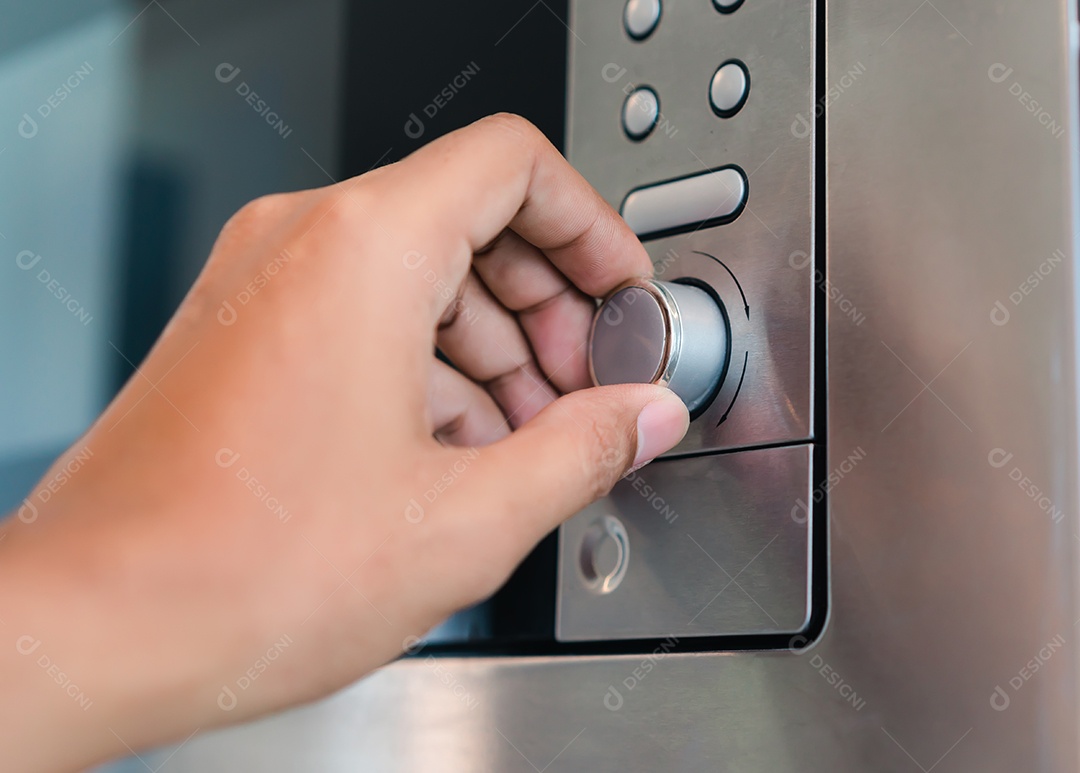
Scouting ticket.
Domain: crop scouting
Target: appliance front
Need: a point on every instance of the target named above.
(864, 555)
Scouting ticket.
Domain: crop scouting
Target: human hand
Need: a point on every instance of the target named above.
(266, 473)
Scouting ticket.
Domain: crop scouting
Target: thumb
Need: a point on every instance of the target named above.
(576, 449)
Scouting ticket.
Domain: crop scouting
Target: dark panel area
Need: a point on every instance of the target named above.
(444, 65)
(415, 71)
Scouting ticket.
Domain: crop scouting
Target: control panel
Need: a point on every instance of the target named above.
(696, 120)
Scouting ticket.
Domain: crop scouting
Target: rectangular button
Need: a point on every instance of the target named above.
(706, 199)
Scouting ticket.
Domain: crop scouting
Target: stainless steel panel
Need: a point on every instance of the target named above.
(766, 395)
(770, 303)
(717, 545)
(945, 195)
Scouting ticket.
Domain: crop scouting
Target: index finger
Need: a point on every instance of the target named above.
(503, 172)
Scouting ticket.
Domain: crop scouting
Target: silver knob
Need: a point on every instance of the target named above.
(649, 332)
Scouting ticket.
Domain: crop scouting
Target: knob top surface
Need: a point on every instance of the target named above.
(629, 339)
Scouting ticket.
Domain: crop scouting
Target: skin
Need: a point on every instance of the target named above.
(158, 573)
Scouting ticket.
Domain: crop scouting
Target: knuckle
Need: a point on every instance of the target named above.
(515, 124)
(362, 203)
(341, 211)
(254, 219)
(258, 211)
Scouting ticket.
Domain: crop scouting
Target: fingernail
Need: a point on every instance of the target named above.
(660, 426)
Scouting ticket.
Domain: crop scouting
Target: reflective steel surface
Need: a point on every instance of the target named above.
(951, 643)
(736, 511)
(714, 547)
(768, 395)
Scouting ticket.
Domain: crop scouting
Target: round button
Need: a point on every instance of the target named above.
(640, 113)
(729, 88)
(727, 6)
(640, 18)
(669, 333)
(604, 555)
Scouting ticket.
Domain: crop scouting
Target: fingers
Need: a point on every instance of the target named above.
(462, 413)
(554, 314)
(573, 452)
(485, 341)
(502, 172)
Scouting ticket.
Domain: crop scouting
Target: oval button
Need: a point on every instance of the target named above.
(729, 88)
(710, 198)
(727, 6)
(640, 18)
(640, 113)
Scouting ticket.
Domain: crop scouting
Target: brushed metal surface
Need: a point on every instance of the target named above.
(734, 505)
(770, 304)
(949, 580)
(716, 546)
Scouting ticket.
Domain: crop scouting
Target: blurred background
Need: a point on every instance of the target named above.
(121, 155)
(131, 131)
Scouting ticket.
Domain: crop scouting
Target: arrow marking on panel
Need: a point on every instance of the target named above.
(746, 359)
(746, 305)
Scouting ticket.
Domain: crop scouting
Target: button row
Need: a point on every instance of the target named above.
(728, 91)
(640, 17)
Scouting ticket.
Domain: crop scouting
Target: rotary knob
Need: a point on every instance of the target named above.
(669, 333)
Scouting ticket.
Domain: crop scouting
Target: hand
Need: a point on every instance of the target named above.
(272, 477)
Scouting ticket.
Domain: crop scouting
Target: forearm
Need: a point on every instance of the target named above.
(52, 690)
(108, 643)
(132, 608)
